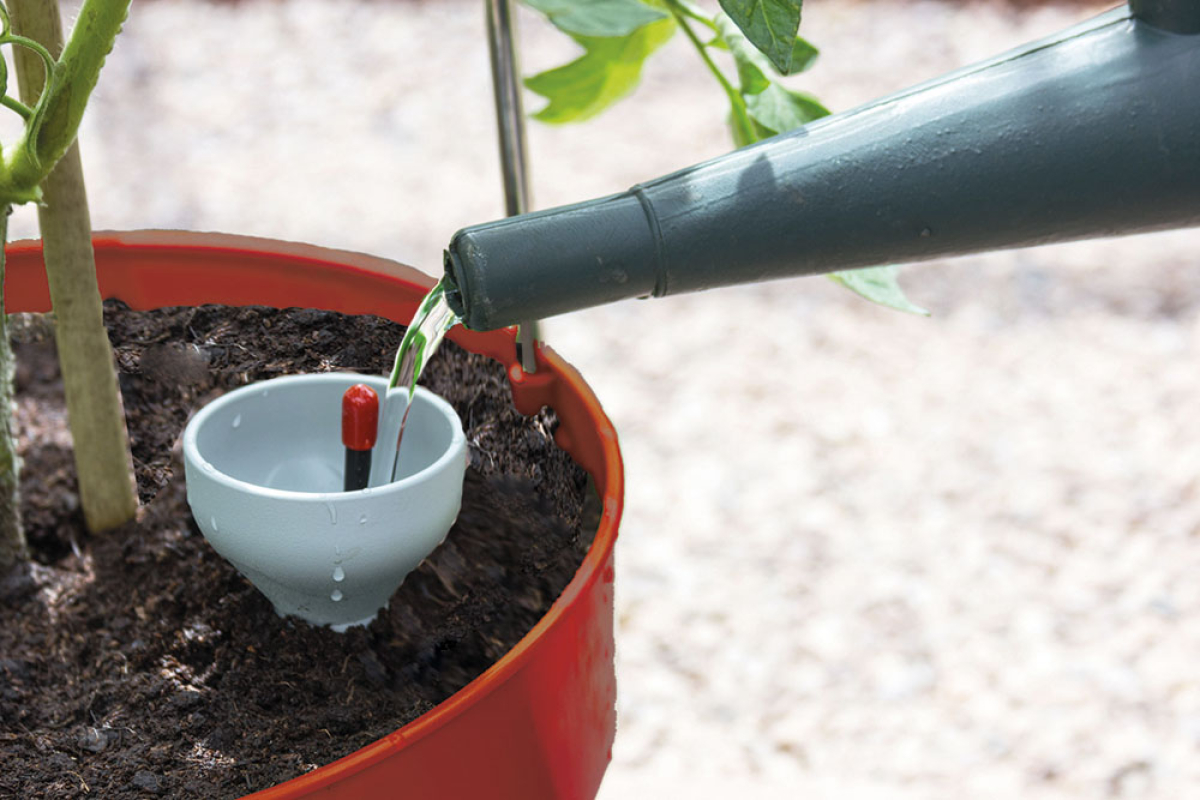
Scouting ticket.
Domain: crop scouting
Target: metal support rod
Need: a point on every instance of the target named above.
(510, 126)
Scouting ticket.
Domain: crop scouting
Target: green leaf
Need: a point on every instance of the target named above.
(742, 135)
(879, 285)
(804, 55)
(752, 67)
(609, 69)
(770, 25)
(773, 108)
(779, 109)
(597, 17)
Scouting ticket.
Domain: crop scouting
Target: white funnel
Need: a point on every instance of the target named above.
(264, 470)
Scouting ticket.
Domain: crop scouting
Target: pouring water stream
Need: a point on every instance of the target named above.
(434, 318)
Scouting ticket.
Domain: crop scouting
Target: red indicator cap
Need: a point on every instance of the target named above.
(360, 417)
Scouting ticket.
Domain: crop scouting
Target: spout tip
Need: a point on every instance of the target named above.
(450, 283)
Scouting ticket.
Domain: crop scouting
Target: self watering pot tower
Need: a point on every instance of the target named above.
(1092, 132)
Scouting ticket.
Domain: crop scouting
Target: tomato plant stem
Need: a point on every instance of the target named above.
(106, 484)
(12, 538)
(737, 105)
(691, 12)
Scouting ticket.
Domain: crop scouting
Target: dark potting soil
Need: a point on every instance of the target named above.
(139, 662)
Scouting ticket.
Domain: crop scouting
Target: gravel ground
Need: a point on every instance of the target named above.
(864, 554)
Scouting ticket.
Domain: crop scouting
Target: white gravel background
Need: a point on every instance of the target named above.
(864, 554)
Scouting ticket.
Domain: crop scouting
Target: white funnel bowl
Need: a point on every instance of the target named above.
(264, 468)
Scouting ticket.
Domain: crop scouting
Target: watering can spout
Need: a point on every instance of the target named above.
(1092, 132)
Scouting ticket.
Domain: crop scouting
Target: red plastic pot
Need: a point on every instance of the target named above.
(540, 722)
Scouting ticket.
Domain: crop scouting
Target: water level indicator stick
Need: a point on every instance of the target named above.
(360, 423)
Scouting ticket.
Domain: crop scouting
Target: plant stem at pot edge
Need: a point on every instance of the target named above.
(12, 538)
(102, 461)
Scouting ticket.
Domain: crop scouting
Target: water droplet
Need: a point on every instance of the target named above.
(213, 522)
(266, 393)
(332, 513)
(339, 574)
(209, 467)
(362, 520)
(237, 421)
(336, 596)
